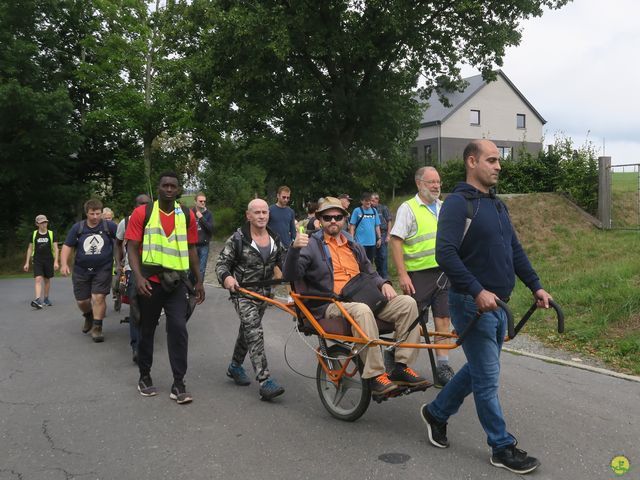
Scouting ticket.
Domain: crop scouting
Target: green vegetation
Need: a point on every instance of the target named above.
(564, 168)
(593, 274)
(625, 208)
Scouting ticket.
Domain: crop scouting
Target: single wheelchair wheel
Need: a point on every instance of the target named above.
(349, 399)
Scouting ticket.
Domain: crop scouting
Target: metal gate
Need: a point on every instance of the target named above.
(624, 195)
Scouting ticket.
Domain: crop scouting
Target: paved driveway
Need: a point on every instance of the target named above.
(69, 408)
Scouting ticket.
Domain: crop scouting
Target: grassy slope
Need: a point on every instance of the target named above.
(593, 274)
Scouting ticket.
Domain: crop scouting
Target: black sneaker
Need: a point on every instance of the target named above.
(444, 373)
(407, 377)
(36, 304)
(145, 386)
(179, 393)
(382, 385)
(514, 460)
(437, 430)
(270, 389)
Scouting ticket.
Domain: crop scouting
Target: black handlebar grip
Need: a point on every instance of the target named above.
(560, 315)
(511, 330)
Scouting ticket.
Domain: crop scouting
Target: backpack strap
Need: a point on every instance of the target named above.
(359, 219)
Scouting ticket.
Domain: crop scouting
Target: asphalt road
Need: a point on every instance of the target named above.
(69, 408)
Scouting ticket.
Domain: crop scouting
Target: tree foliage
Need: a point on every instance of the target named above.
(333, 82)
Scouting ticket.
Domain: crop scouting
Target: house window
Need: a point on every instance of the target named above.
(414, 154)
(521, 120)
(427, 155)
(474, 117)
(505, 152)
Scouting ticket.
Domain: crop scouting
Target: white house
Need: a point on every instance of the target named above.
(496, 110)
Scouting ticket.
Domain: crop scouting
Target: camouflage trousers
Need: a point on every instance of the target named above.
(251, 336)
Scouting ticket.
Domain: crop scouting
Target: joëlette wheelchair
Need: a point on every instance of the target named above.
(343, 392)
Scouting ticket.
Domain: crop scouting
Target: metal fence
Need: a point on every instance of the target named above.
(620, 205)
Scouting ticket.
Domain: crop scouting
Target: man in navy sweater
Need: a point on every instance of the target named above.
(481, 262)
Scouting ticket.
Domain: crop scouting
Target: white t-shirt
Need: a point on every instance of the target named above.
(405, 224)
(120, 236)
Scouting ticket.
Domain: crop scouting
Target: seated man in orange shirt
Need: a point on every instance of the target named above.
(325, 262)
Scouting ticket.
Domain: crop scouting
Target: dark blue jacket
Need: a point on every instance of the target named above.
(490, 256)
(311, 268)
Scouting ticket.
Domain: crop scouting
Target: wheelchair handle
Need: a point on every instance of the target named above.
(533, 308)
(511, 331)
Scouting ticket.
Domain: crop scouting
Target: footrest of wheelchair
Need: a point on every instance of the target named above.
(393, 393)
(419, 388)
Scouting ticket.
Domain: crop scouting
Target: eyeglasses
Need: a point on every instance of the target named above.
(328, 218)
(40, 223)
(432, 182)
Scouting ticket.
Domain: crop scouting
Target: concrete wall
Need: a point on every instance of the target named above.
(498, 105)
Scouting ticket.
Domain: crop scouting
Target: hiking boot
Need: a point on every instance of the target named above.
(238, 374)
(145, 386)
(381, 385)
(407, 377)
(36, 304)
(437, 430)
(88, 322)
(47, 302)
(270, 389)
(96, 332)
(514, 460)
(179, 393)
(444, 373)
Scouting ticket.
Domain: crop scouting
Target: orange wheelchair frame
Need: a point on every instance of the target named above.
(342, 391)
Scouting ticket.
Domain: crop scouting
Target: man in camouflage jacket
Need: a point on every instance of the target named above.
(250, 255)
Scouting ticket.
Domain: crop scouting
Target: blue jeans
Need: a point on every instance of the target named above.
(203, 256)
(381, 258)
(481, 374)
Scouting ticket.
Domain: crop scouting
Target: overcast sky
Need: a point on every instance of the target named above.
(579, 67)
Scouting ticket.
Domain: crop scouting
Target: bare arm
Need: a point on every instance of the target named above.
(64, 260)
(56, 253)
(406, 285)
(195, 271)
(26, 260)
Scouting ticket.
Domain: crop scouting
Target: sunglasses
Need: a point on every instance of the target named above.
(328, 218)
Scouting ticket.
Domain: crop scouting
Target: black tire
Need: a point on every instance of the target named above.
(350, 398)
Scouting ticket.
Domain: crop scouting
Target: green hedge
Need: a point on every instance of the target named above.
(562, 168)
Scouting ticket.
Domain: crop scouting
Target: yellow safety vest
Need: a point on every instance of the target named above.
(419, 250)
(33, 241)
(170, 252)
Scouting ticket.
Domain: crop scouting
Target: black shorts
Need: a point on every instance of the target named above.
(43, 268)
(86, 283)
(432, 288)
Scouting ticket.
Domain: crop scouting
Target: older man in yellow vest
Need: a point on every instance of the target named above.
(413, 247)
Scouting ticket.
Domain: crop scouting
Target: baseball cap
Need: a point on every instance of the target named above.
(41, 218)
(345, 195)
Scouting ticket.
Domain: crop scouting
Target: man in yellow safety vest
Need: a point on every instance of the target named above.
(413, 247)
(161, 245)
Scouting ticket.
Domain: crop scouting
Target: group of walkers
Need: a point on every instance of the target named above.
(456, 257)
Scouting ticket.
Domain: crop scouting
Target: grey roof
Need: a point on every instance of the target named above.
(438, 113)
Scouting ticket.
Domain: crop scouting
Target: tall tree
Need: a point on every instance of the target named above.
(335, 81)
